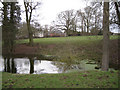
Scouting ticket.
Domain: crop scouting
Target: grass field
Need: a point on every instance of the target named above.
(62, 40)
(88, 79)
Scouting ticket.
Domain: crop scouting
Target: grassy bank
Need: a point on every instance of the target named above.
(88, 79)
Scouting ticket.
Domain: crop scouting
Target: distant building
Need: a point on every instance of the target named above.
(38, 34)
(56, 33)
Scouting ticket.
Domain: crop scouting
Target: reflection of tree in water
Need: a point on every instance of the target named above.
(9, 65)
(13, 66)
(5, 66)
(26, 63)
(65, 66)
(37, 62)
(31, 65)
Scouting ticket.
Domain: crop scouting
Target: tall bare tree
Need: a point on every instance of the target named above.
(117, 5)
(88, 18)
(29, 7)
(65, 21)
(96, 18)
(114, 13)
(81, 21)
(105, 57)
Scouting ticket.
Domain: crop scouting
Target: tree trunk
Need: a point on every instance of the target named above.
(67, 31)
(82, 27)
(30, 34)
(105, 57)
(28, 19)
(87, 27)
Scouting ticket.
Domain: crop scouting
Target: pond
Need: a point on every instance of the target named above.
(33, 65)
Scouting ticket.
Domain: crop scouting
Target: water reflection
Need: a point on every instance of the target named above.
(70, 67)
(32, 66)
(9, 65)
(31, 60)
(65, 67)
(28, 66)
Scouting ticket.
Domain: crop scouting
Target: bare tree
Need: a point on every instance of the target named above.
(29, 7)
(81, 20)
(66, 21)
(105, 57)
(88, 18)
(46, 28)
(114, 13)
(23, 32)
(117, 5)
(96, 18)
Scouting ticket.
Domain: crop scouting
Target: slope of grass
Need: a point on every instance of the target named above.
(62, 40)
(88, 79)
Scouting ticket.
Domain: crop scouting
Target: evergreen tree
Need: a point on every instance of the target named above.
(11, 18)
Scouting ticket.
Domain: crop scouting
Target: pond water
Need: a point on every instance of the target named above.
(34, 66)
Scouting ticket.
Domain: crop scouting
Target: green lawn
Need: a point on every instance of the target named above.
(62, 40)
(88, 79)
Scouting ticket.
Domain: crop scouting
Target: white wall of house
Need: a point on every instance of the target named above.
(39, 34)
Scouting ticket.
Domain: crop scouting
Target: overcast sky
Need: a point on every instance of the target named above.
(50, 8)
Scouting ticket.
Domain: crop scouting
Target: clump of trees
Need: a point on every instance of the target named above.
(88, 21)
(10, 21)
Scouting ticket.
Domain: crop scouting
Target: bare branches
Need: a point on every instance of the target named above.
(35, 7)
(29, 7)
(117, 11)
(67, 20)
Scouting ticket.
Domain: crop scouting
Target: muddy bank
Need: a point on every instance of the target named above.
(23, 49)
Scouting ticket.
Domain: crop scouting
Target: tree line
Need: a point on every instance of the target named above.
(88, 21)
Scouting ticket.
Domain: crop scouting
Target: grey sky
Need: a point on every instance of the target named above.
(50, 8)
